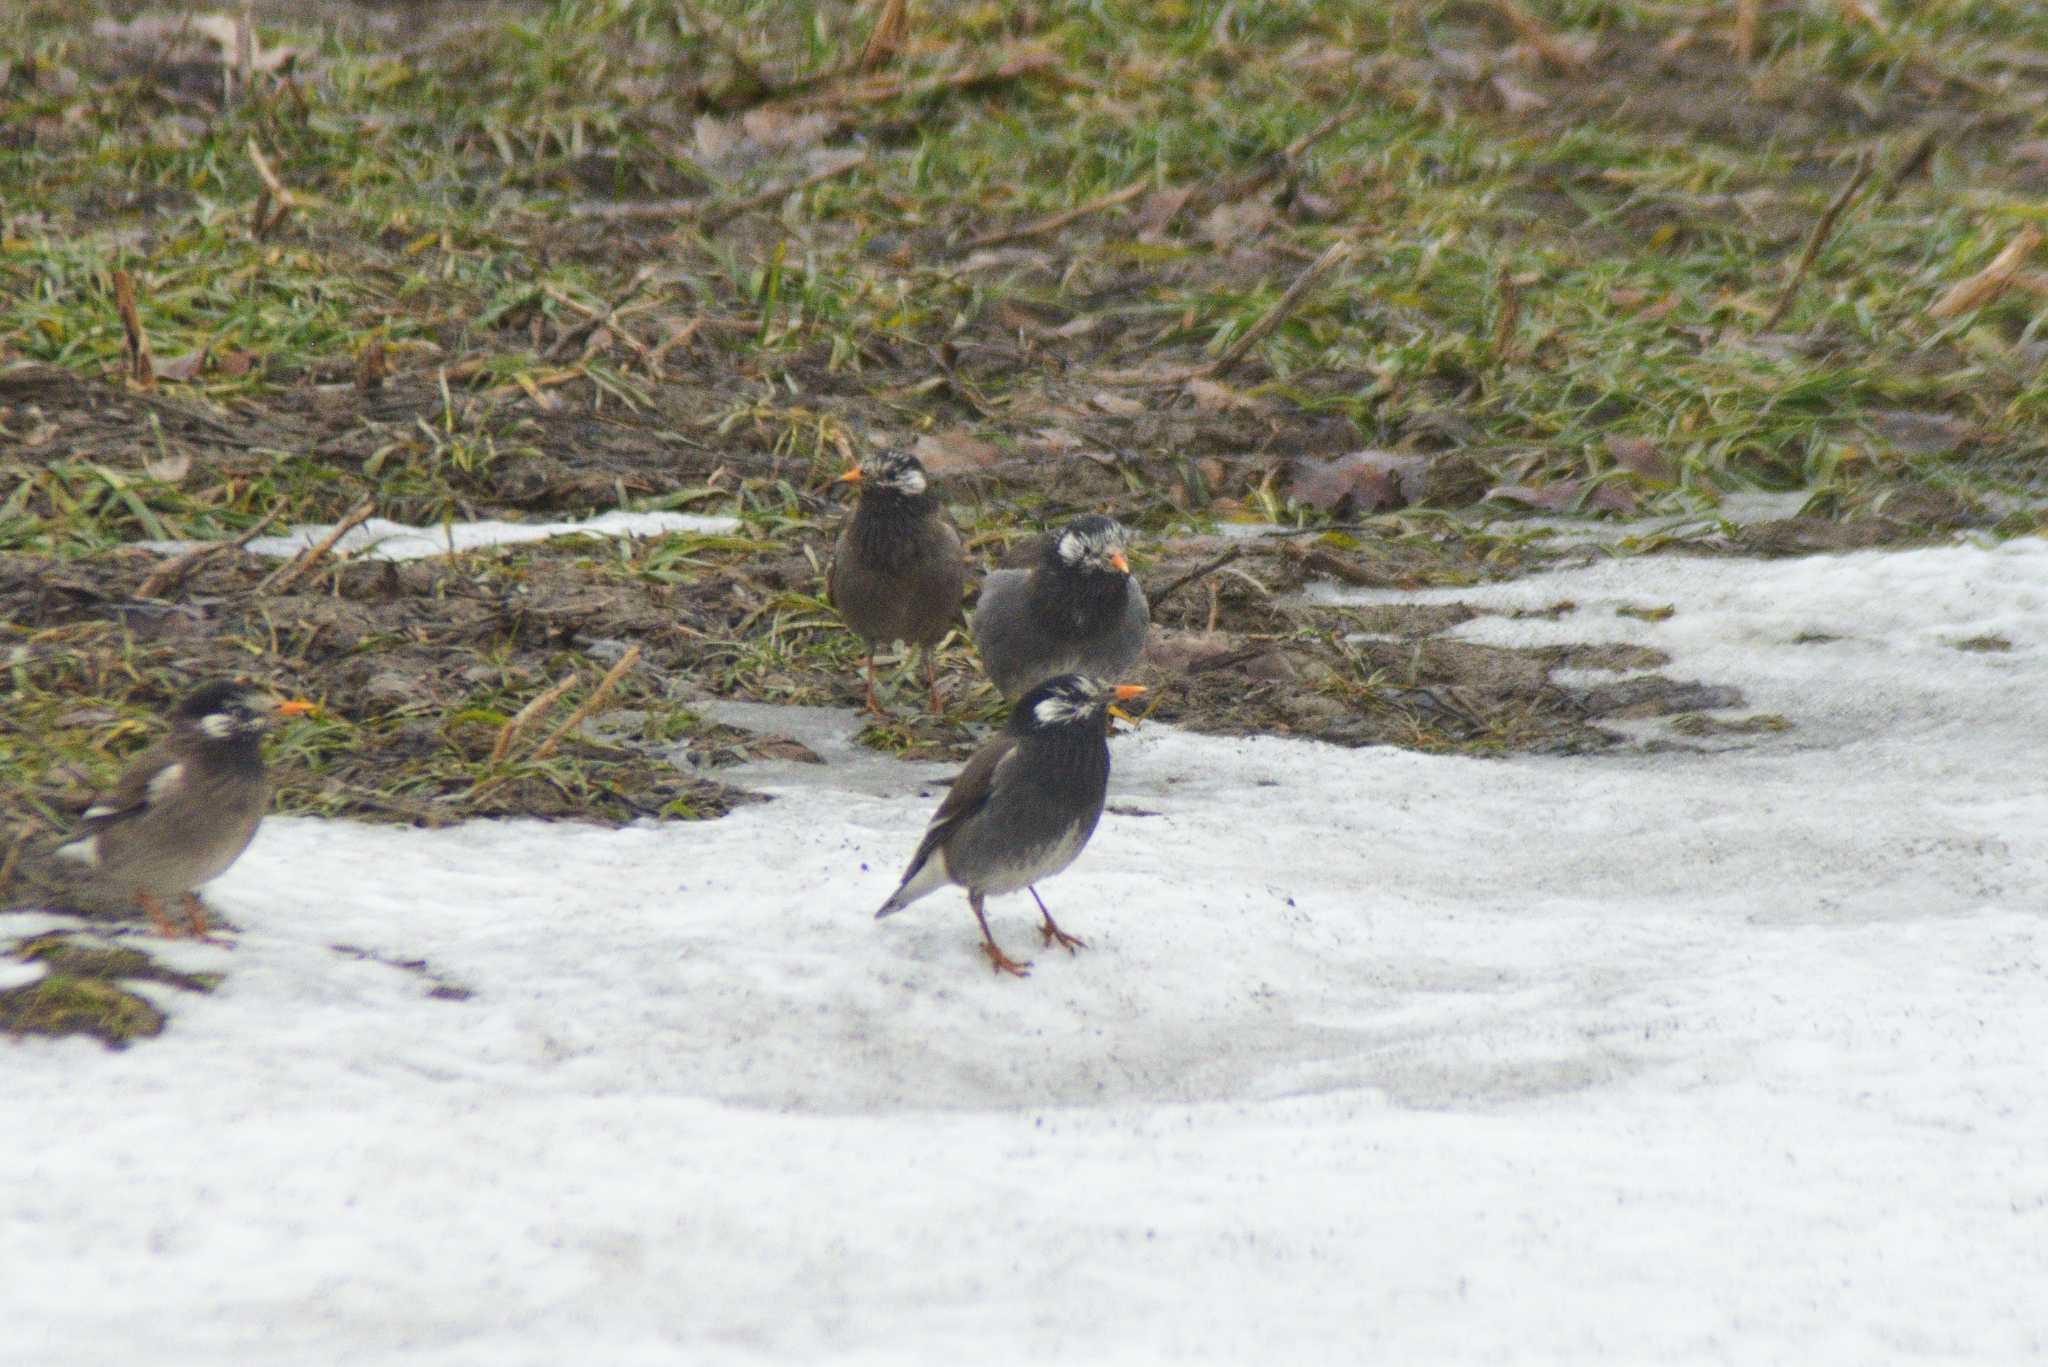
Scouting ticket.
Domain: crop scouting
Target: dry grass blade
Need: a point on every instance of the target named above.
(302, 565)
(1199, 572)
(509, 732)
(274, 202)
(1821, 231)
(1987, 284)
(891, 32)
(174, 571)
(775, 193)
(725, 40)
(1025, 60)
(1276, 315)
(1508, 316)
(712, 215)
(1289, 157)
(141, 369)
(1052, 223)
(1561, 54)
(590, 705)
(1746, 12)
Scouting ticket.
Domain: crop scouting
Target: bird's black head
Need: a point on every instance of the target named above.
(1068, 700)
(890, 472)
(225, 710)
(1091, 545)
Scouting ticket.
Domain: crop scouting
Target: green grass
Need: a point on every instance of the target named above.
(1529, 292)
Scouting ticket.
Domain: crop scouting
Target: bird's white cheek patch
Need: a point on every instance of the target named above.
(1072, 548)
(85, 851)
(166, 781)
(218, 725)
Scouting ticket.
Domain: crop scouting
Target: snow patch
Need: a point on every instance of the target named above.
(1374, 1055)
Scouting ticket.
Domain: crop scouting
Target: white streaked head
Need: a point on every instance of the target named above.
(1094, 543)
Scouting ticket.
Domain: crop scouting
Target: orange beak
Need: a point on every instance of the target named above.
(850, 477)
(1123, 566)
(298, 707)
(1124, 693)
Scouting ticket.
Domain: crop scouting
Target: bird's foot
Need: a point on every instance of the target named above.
(1053, 935)
(1003, 963)
(165, 927)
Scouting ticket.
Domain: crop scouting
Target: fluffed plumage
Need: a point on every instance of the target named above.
(898, 568)
(1077, 611)
(1023, 808)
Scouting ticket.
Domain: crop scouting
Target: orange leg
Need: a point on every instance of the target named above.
(164, 926)
(869, 665)
(195, 912)
(997, 960)
(1051, 931)
(931, 680)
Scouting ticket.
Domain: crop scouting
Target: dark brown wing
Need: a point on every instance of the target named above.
(968, 795)
(129, 797)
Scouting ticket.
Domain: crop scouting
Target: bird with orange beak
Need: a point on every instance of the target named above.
(188, 806)
(898, 569)
(1079, 610)
(1023, 808)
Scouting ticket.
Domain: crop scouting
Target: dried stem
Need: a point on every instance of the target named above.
(592, 704)
(303, 563)
(140, 368)
(1277, 314)
(173, 572)
(1052, 223)
(1821, 231)
(509, 732)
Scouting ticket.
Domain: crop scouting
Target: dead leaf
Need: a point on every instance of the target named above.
(1641, 456)
(1516, 98)
(957, 449)
(1228, 224)
(168, 469)
(1116, 405)
(777, 130)
(1921, 434)
(1659, 311)
(1157, 211)
(1986, 285)
(1566, 495)
(1365, 480)
(1211, 397)
(186, 367)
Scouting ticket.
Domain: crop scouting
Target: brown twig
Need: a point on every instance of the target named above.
(1548, 45)
(1909, 165)
(1746, 14)
(302, 564)
(1052, 223)
(1201, 571)
(590, 705)
(1820, 233)
(723, 38)
(1288, 157)
(1024, 61)
(891, 31)
(263, 221)
(711, 215)
(173, 572)
(725, 213)
(1277, 314)
(1987, 284)
(509, 732)
(1510, 314)
(135, 340)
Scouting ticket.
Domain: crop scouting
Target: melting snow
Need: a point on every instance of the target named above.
(1374, 1056)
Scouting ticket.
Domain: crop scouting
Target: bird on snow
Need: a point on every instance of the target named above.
(187, 807)
(1077, 611)
(1023, 808)
(898, 569)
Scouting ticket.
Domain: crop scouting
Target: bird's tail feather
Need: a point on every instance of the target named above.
(924, 876)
